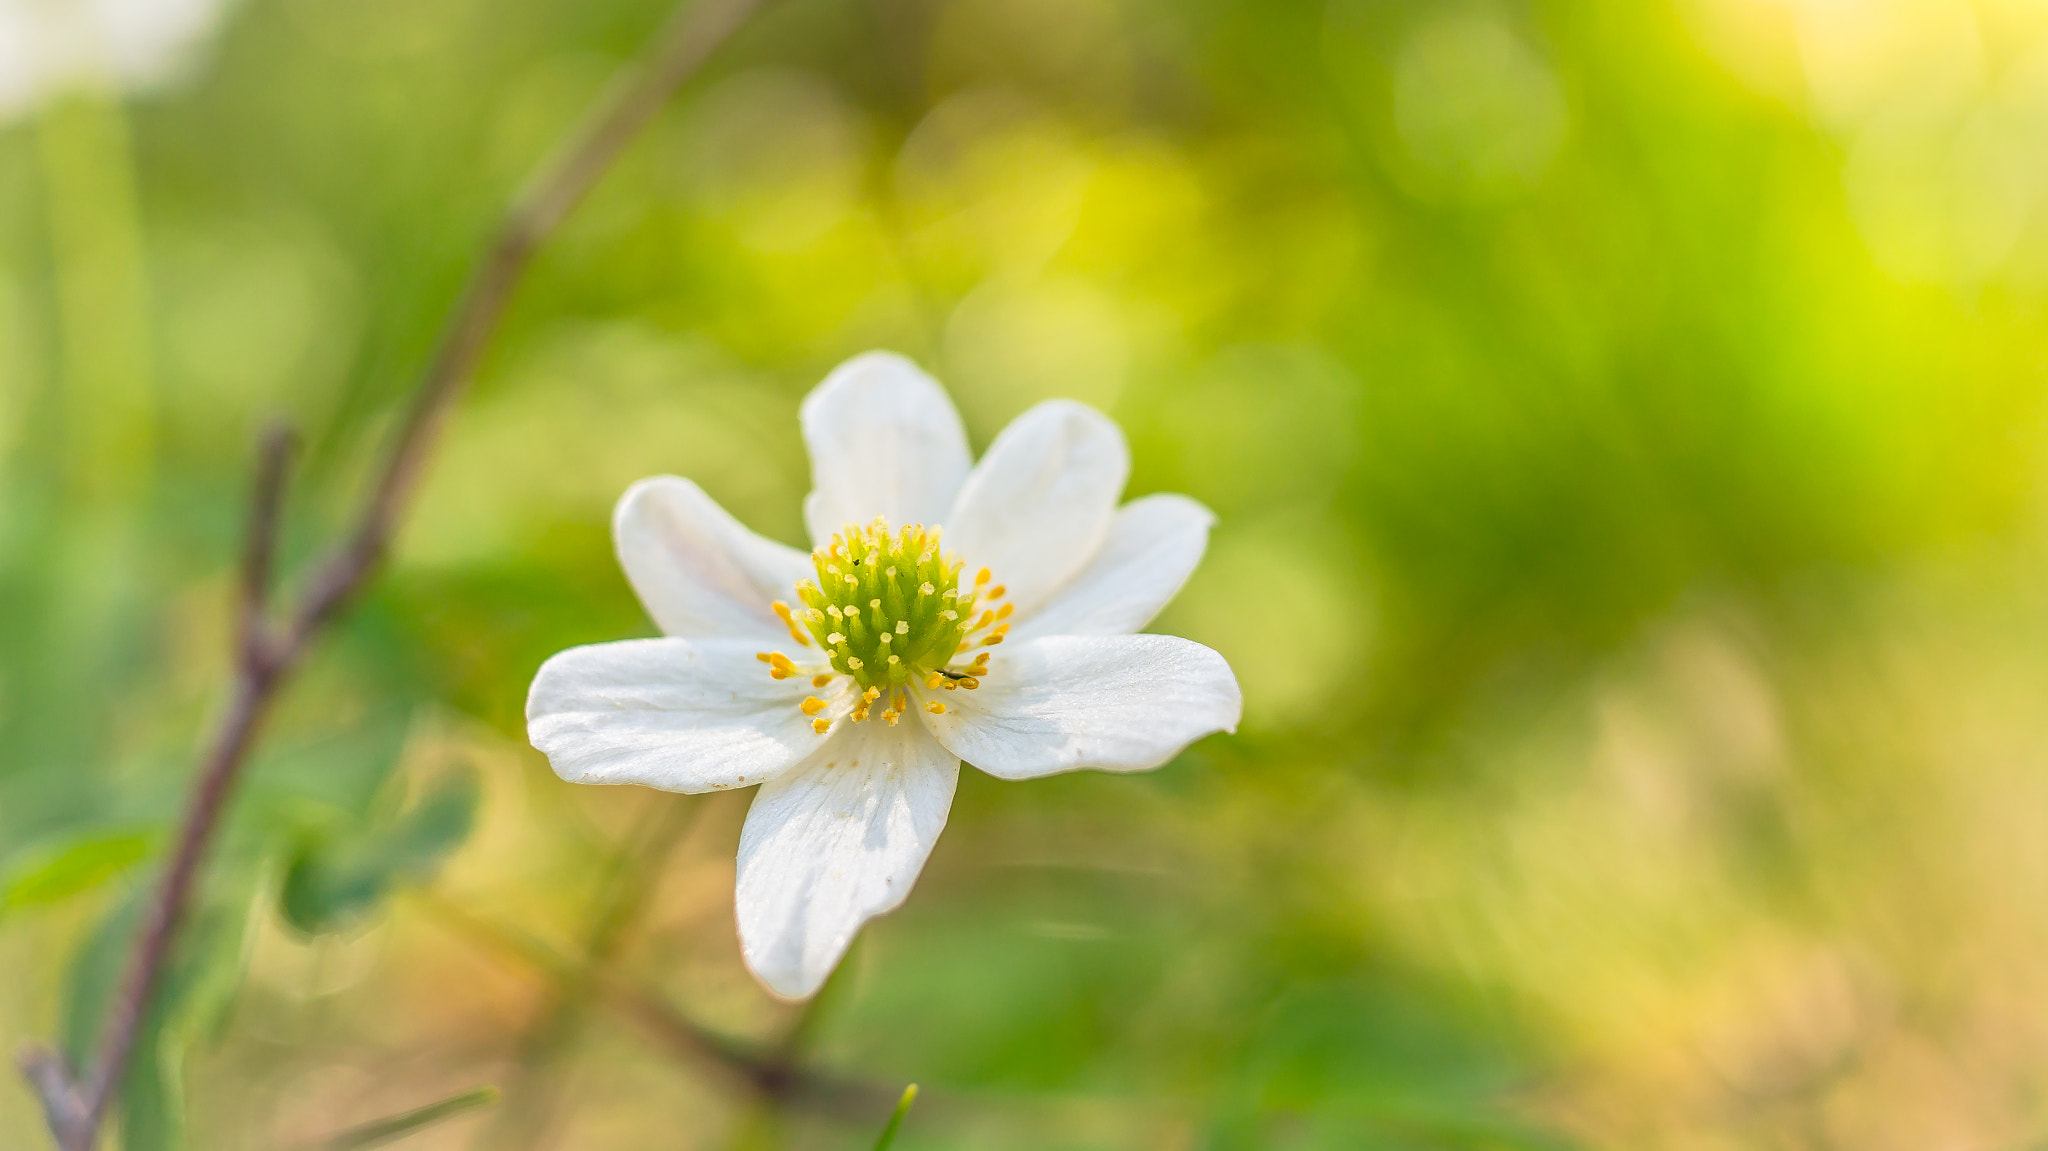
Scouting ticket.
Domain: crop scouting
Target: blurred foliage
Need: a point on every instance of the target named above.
(1625, 420)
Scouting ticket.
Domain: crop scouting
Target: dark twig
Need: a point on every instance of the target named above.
(763, 1071)
(696, 30)
(63, 1110)
(76, 1106)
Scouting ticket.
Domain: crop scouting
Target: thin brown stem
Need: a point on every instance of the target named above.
(760, 1070)
(691, 36)
(75, 1107)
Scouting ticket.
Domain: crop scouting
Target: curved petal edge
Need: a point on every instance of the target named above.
(885, 440)
(675, 714)
(1153, 547)
(1111, 703)
(697, 570)
(835, 843)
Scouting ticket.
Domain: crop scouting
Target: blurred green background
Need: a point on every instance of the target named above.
(1625, 420)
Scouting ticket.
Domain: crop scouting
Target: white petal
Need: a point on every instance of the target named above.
(677, 714)
(698, 571)
(885, 441)
(1115, 703)
(1153, 546)
(1038, 506)
(835, 843)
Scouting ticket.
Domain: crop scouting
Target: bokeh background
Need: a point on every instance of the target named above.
(1625, 418)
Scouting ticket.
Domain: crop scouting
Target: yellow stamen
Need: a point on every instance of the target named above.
(812, 705)
(935, 707)
(821, 726)
(981, 577)
(995, 592)
(820, 680)
(789, 621)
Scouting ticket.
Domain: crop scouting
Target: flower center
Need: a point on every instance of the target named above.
(889, 611)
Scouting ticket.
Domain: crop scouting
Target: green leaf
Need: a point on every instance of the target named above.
(332, 883)
(193, 991)
(896, 1120)
(73, 867)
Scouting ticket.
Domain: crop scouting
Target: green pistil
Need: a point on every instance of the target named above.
(887, 607)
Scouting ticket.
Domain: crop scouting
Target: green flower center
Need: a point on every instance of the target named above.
(889, 610)
(887, 606)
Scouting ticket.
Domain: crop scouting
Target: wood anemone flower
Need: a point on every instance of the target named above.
(949, 612)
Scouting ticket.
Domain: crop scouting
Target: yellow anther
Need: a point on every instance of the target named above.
(812, 705)
(779, 666)
(969, 682)
(820, 680)
(934, 680)
(789, 621)
(871, 694)
(1003, 612)
(935, 707)
(952, 685)
(891, 717)
(821, 726)
(981, 577)
(987, 618)
(995, 592)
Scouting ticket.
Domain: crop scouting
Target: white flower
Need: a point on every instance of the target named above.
(50, 45)
(851, 682)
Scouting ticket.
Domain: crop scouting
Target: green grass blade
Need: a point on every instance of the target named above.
(896, 1120)
(398, 1126)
